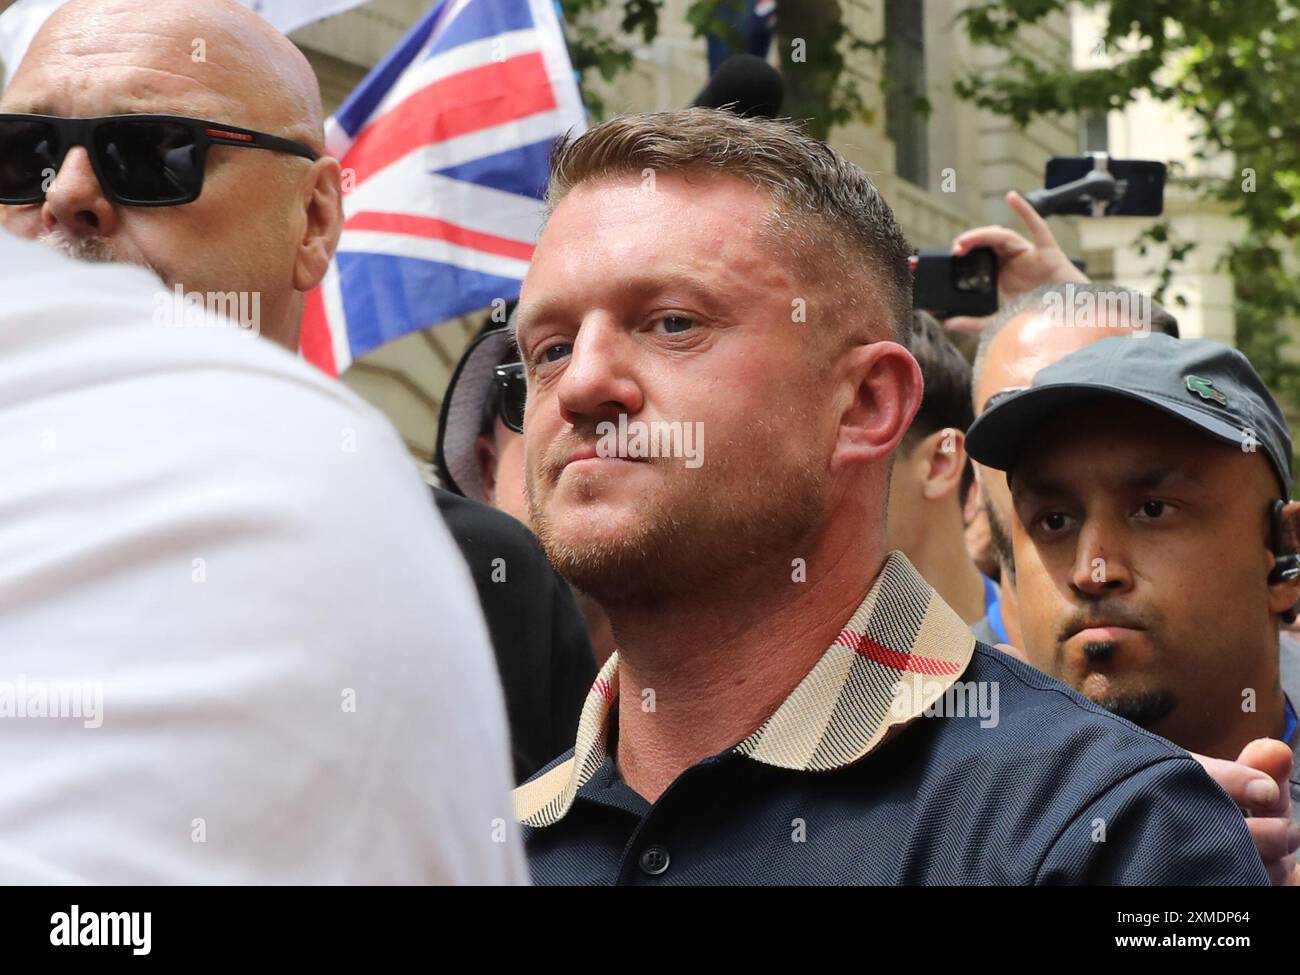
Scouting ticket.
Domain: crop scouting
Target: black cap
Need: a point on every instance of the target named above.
(1206, 384)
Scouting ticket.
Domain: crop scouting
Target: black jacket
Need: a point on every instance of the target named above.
(538, 633)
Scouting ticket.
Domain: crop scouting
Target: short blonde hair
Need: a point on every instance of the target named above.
(814, 188)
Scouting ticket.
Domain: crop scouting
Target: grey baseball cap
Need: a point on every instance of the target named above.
(1208, 385)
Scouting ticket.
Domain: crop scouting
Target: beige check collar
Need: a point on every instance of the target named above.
(898, 654)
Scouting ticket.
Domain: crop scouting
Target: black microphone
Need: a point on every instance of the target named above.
(746, 85)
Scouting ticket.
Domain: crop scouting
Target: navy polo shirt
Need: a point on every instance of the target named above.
(909, 755)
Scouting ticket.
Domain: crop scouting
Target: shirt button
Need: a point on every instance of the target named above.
(654, 860)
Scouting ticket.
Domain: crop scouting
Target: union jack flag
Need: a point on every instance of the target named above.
(444, 148)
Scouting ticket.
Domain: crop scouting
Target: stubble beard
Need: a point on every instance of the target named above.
(695, 532)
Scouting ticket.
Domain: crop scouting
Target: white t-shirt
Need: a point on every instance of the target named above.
(222, 572)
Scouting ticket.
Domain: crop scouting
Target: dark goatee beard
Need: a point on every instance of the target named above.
(1143, 710)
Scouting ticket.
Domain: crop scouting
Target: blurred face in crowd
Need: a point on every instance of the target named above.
(266, 222)
(1024, 345)
(1142, 557)
(979, 538)
(926, 471)
(674, 305)
(501, 460)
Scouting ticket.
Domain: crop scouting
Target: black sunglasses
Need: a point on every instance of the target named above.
(509, 395)
(140, 160)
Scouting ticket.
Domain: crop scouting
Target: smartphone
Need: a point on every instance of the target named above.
(947, 285)
(1143, 182)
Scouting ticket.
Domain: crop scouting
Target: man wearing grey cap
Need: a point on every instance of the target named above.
(1154, 543)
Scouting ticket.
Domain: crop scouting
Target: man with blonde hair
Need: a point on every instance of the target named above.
(789, 703)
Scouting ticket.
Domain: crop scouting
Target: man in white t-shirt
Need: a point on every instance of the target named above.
(220, 661)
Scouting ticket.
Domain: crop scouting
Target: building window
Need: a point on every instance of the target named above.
(1094, 134)
(906, 121)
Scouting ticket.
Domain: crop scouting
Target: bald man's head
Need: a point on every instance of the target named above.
(265, 222)
(248, 69)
